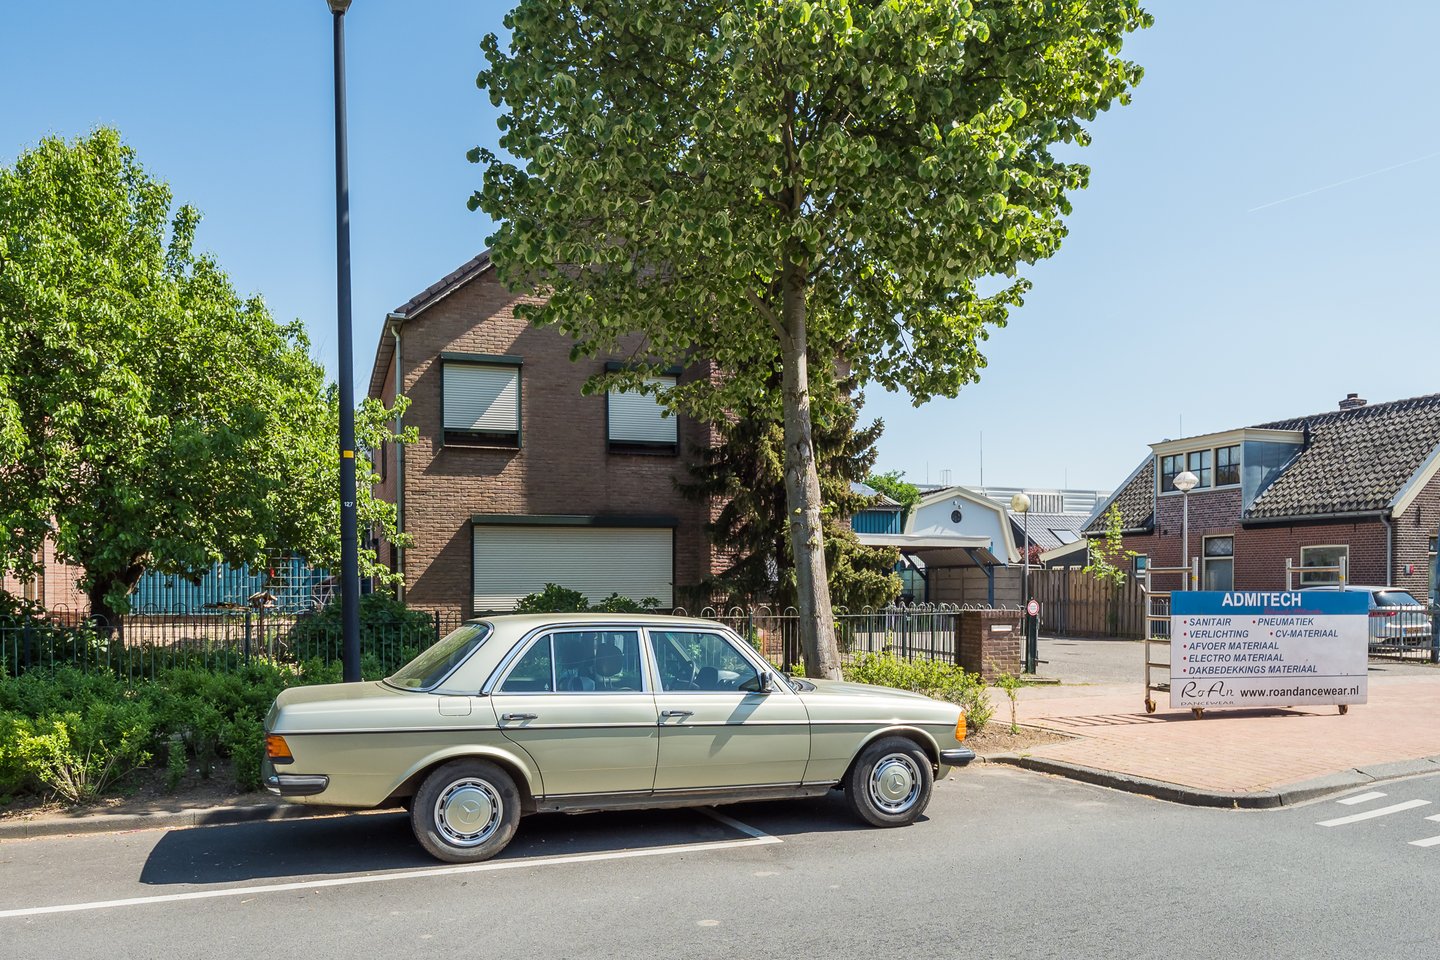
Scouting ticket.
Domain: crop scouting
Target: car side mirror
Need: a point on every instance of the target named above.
(760, 683)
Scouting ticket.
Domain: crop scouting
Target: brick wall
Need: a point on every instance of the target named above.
(53, 588)
(562, 468)
(1413, 530)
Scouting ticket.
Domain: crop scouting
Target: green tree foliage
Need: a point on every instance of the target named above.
(1108, 556)
(758, 182)
(150, 416)
(893, 484)
(745, 474)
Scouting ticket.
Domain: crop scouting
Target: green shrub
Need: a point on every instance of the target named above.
(79, 754)
(558, 599)
(244, 740)
(934, 678)
(175, 764)
(14, 772)
(390, 632)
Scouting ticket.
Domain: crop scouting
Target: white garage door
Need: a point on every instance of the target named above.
(513, 561)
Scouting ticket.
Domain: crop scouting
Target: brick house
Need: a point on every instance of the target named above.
(1357, 484)
(517, 479)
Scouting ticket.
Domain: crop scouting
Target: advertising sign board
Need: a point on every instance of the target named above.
(1268, 648)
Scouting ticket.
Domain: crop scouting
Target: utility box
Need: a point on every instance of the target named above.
(991, 642)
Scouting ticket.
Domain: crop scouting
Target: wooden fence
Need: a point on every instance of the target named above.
(1075, 604)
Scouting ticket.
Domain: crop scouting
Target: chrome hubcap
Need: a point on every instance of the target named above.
(468, 813)
(895, 783)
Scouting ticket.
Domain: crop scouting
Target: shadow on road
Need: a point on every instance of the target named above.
(382, 842)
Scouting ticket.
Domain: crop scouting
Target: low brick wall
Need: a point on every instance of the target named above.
(991, 642)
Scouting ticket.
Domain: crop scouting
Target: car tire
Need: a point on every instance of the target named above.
(889, 784)
(465, 811)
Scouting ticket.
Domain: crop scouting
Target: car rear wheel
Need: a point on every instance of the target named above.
(465, 811)
(889, 784)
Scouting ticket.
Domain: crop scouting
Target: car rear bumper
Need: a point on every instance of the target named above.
(296, 784)
(958, 757)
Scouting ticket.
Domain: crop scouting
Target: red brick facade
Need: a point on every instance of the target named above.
(1260, 550)
(563, 466)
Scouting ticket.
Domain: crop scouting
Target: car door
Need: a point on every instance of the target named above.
(578, 701)
(716, 728)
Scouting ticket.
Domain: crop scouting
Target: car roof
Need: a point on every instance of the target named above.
(528, 621)
(1359, 588)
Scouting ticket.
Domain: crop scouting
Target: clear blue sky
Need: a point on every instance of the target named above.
(1173, 297)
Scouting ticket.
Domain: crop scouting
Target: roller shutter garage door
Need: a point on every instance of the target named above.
(513, 561)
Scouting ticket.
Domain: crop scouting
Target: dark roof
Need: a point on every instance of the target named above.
(1135, 498)
(1043, 526)
(446, 285)
(437, 291)
(1357, 461)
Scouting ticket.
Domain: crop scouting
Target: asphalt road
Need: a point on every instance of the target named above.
(1006, 864)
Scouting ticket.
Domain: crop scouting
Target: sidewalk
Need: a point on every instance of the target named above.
(1260, 757)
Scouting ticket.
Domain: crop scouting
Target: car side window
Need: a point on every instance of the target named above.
(532, 673)
(598, 660)
(699, 660)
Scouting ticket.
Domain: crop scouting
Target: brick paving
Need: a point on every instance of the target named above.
(1242, 750)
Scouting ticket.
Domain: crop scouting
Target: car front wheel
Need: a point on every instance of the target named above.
(466, 811)
(890, 782)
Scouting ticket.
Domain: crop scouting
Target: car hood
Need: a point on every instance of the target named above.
(844, 688)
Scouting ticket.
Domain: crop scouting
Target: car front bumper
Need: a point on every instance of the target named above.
(957, 757)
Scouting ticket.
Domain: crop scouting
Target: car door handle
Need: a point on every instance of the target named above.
(666, 714)
(512, 717)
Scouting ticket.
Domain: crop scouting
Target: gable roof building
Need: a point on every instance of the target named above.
(1354, 485)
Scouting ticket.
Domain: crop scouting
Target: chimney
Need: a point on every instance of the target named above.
(1351, 401)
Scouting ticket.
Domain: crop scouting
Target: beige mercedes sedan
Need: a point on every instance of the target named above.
(511, 715)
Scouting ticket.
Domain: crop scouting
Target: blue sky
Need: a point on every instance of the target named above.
(1184, 294)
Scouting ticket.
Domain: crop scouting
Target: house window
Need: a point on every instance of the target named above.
(1227, 465)
(481, 401)
(1170, 468)
(1142, 563)
(1218, 564)
(1331, 556)
(1200, 466)
(639, 422)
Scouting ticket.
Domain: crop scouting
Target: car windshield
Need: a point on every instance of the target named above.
(435, 664)
(1395, 598)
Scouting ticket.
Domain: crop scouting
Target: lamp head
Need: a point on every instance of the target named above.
(1020, 503)
(1185, 482)
(338, 6)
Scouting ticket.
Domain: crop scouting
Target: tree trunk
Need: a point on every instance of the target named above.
(802, 491)
(102, 614)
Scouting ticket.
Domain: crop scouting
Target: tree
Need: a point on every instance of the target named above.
(759, 182)
(150, 417)
(744, 472)
(893, 484)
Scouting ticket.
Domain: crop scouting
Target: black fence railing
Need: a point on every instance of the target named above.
(1404, 633)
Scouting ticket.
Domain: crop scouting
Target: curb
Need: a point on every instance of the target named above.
(167, 820)
(1287, 795)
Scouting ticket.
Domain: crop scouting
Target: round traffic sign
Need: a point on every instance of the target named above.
(1033, 608)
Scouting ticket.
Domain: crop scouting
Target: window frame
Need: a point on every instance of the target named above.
(1208, 475)
(1307, 582)
(1167, 479)
(1205, 471)
(484, 439)
(661, 448)
(1140, 563)
(548, 634)
(1234, 465)
(741, 648)
(1206, 559)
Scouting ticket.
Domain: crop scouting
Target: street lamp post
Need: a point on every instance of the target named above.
(1020, 503)
(1185, 482)
(349, 545)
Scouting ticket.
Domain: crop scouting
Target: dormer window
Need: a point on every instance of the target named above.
(1199, 464)
(1170, 468)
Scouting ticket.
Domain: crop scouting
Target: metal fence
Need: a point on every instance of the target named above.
(1404, 633)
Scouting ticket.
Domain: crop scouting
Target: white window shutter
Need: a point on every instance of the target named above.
(639, 418)
(482, 398)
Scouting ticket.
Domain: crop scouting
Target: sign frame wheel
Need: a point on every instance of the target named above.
(1197, 712)
(1149, 705)
(1344, 709)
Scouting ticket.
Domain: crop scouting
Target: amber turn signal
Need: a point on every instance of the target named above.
(277, 749)
(960, 727)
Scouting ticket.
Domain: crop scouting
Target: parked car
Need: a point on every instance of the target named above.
(516, 714)
(1396, 617)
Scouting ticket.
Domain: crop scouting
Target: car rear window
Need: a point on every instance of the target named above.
(1395, 598)
(435, 663)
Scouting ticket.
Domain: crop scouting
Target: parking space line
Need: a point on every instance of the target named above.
(1362, 798)
(734, 824)
(1427, 842)
(1370, 814)
(755, 838)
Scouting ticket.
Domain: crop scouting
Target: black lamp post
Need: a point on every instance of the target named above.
(349, 545)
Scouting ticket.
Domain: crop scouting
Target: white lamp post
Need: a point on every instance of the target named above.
(1021, 505)
(1185, 482)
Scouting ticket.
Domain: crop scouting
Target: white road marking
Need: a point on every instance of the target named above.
(732, 823)
(1362, 798)
(756, 838)
(1427, 842)
(1369, 814)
